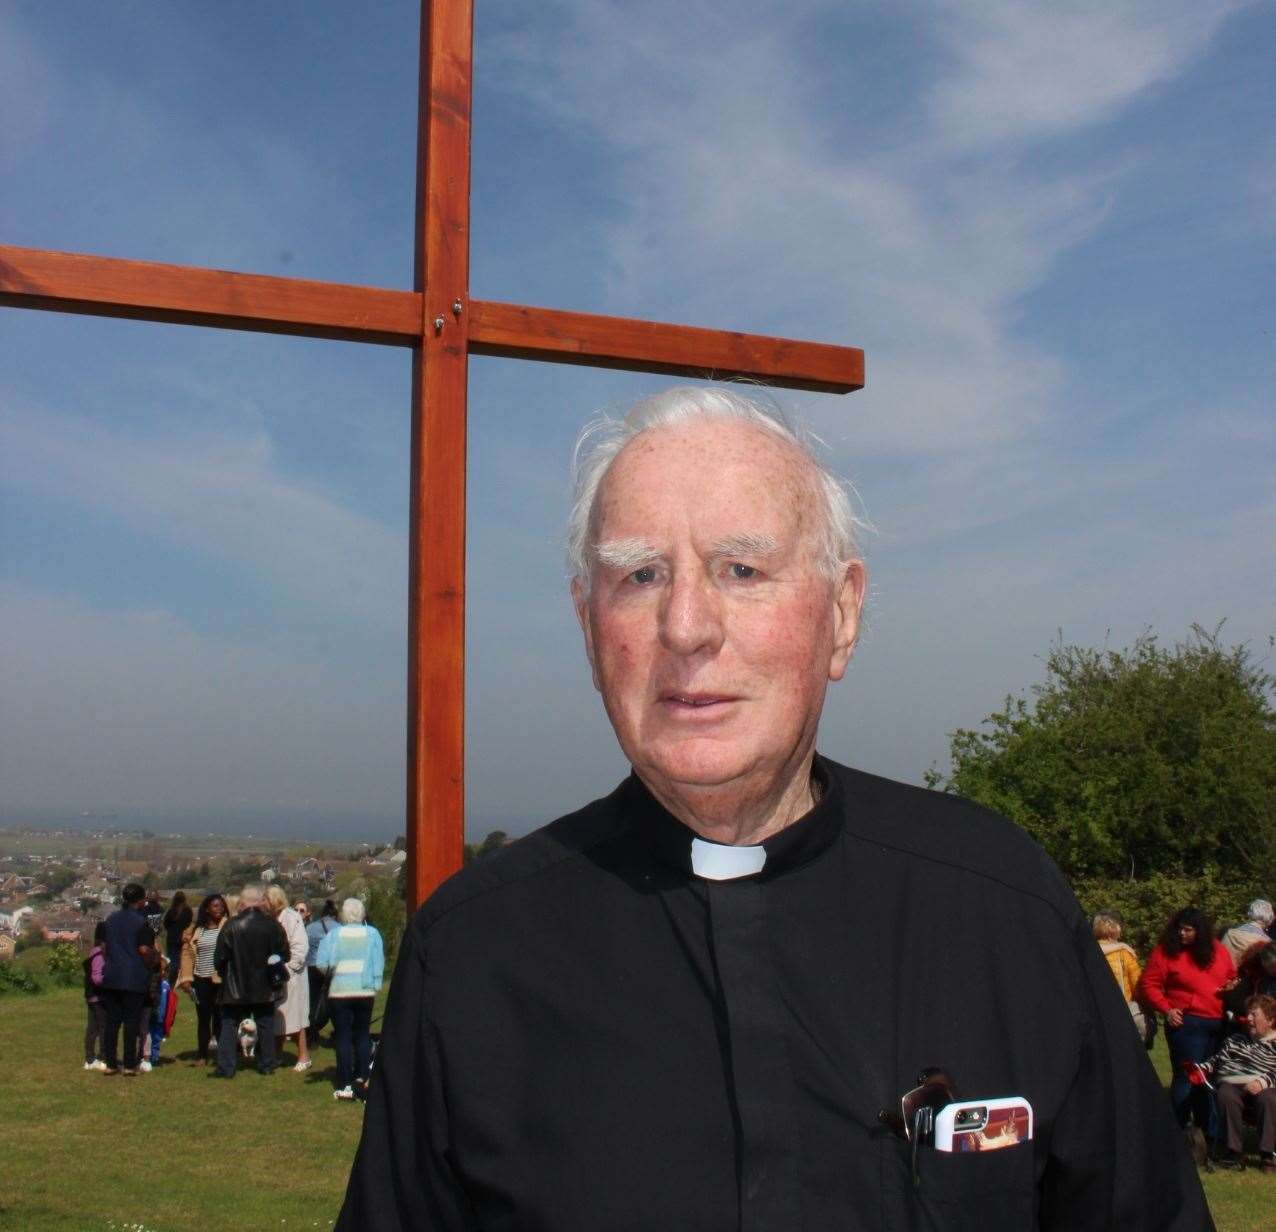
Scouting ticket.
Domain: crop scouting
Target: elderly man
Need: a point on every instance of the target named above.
(697, 1003)
(247, 947)
(1242, 939)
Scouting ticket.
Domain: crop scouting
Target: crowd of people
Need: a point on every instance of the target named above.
(259, 972)
(1217, 999)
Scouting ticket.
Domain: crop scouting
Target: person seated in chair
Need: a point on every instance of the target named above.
(1243, 1072)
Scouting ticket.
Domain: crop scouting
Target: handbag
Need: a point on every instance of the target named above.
(319, 1007)
(319, 1002)
(1144, 1024)
(277, 973)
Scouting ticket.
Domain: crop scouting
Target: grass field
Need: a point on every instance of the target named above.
(174, 1151)
(1244, 1203)
(170, 1150)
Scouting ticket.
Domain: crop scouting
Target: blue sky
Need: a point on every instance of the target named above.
(1051, 227)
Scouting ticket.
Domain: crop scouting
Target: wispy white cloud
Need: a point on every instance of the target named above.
(223, 496)
(1041, 70)
(757, 206)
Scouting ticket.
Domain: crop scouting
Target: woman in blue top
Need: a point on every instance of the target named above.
(354, 958)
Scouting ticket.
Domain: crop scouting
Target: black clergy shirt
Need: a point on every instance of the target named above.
(582, 1035)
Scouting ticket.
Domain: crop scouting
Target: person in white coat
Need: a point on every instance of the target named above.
(292, 1013)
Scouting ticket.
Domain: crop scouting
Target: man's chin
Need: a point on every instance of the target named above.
(698, 774)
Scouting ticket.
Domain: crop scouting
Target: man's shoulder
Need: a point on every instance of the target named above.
(523, 862)
(126, 919)
(945, 829)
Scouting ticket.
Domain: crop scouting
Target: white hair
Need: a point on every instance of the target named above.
(352, 911)
(602, 439)
(1260, 911)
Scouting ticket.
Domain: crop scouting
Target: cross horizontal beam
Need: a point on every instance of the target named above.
(151, 291)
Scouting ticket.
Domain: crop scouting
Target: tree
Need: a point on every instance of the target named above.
(58, 878)
(1135, 761)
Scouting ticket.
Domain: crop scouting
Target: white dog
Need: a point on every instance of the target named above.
(248, 1037)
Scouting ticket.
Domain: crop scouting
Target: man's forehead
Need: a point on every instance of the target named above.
(714, 438)
(714, 461)
(719, 482)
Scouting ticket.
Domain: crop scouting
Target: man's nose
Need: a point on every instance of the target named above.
(691, 619)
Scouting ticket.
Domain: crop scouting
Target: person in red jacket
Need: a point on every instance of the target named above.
(1185, 978)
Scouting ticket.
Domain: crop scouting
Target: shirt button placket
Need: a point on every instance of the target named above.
(761, 1073)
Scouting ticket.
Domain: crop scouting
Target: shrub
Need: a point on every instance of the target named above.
(386, 911)
(64, 964)
(1147, 903)
(15, 979)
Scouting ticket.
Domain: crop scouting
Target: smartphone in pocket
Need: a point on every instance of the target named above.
(983, 1124)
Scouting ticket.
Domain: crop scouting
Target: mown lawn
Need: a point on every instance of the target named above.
(170, 1150)
(174, 1150)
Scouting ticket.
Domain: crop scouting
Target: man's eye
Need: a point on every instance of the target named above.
(644, 575)
(743, 571)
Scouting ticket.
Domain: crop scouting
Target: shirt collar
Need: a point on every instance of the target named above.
(670, 842)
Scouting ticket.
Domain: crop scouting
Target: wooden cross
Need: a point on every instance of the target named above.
(443, 326)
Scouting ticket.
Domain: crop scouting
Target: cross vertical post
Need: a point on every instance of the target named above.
(436, 595)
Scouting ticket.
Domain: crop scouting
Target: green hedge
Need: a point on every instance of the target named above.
(36, 971)
(1147, 903)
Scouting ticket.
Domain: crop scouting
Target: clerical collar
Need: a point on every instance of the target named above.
(722, 862)
(680, 847)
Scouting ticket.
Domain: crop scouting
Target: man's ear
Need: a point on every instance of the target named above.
(580, 601)
(848, 602)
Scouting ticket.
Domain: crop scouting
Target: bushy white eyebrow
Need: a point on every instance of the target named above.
(746, 544)
(632, 553)
(624, 554)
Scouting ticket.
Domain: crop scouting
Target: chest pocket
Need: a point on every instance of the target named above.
(975, 1190)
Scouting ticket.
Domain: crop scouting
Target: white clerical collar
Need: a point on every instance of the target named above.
(718, 862)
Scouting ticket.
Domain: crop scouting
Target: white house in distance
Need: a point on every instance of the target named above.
(11, 921)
